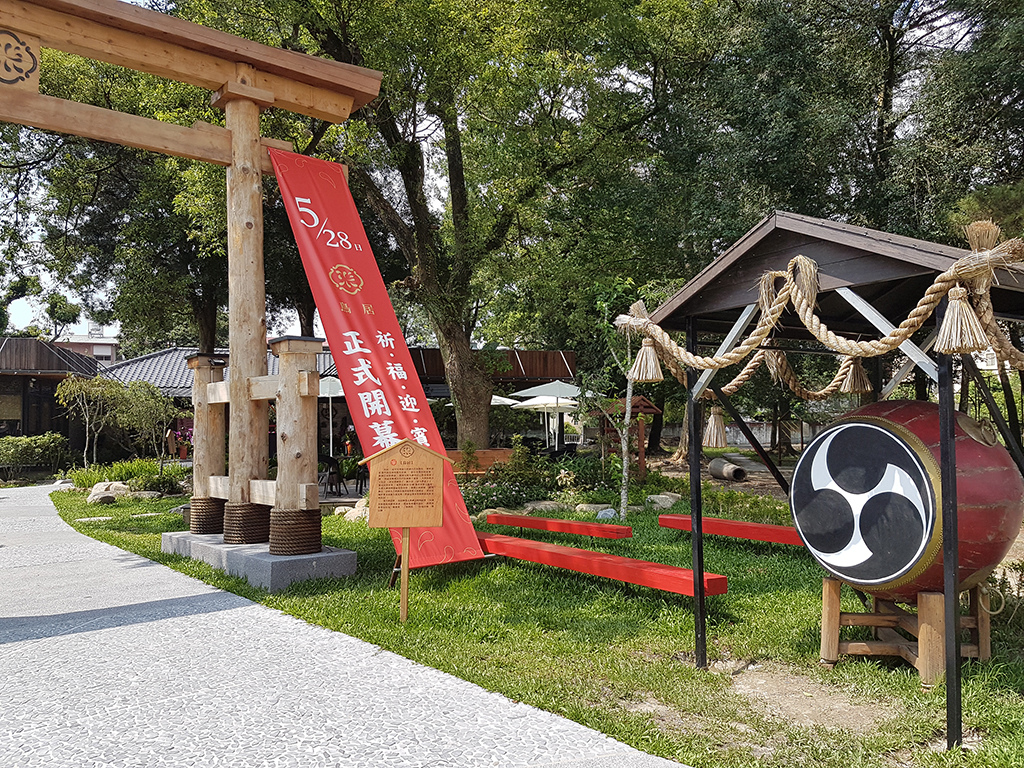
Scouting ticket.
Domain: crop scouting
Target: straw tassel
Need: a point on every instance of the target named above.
(983, 235)
(856, 381)
(646, 367)
(775, 361)
(961, 330)
(714, 432)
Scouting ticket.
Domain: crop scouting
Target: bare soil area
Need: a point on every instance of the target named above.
(780, 693)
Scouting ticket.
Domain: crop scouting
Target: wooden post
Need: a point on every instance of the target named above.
(207, 513)
(298, 389)
(208, 423)
(931, 637)
(247, 335)
(981, 634)
(245, 522)
(295, 519)
(830, 594)
(403, 612)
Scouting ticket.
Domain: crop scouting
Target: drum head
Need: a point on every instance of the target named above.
(863, 499)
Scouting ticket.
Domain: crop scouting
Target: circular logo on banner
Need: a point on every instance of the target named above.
(864, 504)
(346, 278)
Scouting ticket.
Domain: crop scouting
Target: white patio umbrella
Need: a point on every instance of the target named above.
(495, 400)
(330, 387)
(499, 400)
(548, 404)
(560, 389)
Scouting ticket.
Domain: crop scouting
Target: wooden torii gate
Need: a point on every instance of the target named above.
(244, 77)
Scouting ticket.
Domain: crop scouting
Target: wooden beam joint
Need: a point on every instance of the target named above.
(232, 91)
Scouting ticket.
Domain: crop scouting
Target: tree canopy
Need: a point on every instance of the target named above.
(530, 168)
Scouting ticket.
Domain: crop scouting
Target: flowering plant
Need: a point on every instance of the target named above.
(183, 437)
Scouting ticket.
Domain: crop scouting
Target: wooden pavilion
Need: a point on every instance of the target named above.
(869, 281)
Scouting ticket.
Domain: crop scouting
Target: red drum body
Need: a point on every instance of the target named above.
(866, 500)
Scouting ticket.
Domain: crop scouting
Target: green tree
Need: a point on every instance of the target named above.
(61, 312)
(95, 401)
(147, 414)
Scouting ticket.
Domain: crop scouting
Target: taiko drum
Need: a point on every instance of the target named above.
(866, 499)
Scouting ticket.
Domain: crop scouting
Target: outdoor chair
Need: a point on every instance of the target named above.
(330, 477)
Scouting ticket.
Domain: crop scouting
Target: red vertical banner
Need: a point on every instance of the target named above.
(383, 392)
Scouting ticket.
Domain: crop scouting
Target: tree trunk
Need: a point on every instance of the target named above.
(920, 385)
(624, 441)
(682, 451)
(470, 384)
(206, 323)
(306, 311)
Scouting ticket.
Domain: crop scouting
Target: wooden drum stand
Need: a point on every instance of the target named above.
(926, 646)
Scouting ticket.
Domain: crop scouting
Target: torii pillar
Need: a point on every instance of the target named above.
(245, 522)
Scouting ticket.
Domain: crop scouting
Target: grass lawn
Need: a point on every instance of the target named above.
(618, 658)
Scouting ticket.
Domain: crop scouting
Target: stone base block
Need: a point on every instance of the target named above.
(255, 563)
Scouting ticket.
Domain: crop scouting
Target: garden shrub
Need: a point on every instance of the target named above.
(525, 470)
(165, 484)
(126, 471)
(17, 453)
(86, 477)
(486, 494)
(123, 471)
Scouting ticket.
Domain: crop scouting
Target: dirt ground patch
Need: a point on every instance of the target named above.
(801, 701)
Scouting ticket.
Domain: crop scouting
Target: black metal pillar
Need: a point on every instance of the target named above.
(749, 435)
(950, 547)
(1012, 441)
(693, 415)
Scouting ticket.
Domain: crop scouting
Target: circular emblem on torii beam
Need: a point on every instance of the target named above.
(17, 59)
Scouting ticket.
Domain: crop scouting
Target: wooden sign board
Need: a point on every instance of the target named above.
(406, 486)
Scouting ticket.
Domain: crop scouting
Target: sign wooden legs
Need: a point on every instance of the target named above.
(404, 610)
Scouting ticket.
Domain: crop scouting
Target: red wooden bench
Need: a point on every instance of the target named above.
(777, 534)
(668, 578)
(603, 530)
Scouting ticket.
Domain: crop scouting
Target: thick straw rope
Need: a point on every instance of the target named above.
(782, 371)
(801, 286)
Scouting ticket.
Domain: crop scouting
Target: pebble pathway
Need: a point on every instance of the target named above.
(108, 659)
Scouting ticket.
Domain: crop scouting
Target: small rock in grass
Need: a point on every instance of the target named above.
(544, 506)
(660, 501)
(607, 514)
(671, 495)
(144, 495)
(118, 489)
(358, 513)
(101, 498)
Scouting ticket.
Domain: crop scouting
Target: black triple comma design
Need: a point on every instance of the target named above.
(863, 504)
